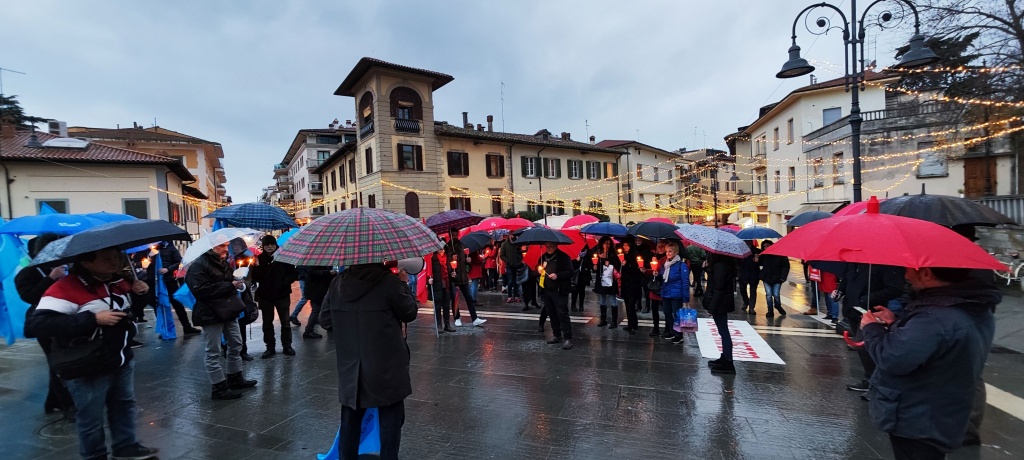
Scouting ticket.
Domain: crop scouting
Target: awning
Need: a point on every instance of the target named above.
(827, 207)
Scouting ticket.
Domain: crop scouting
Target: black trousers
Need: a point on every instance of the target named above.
(267, 308)
(655, 307)
(314, 317)
(698, 278)
(579, 294)
(914, 449)
(632, 303)
(391, 419)
(748, 292)
(530, 291)
(557, 306)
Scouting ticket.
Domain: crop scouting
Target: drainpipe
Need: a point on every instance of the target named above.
(511, 177)
(7, 185)
(540, 188)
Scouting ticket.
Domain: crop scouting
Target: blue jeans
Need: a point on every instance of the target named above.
(114, 392)
(302, 300)
(474, 285)
(513, 287)
(412, 284)
(832, 305)
(669, 307)
(772, 295)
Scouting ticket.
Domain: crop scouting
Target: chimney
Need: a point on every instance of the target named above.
(490, 123)
(566, 137)
(33, 142)
(465, 120)
(348, 123)
(479, 127)
(135, 125)
(593, 140)
(6, 130)
(544, 135)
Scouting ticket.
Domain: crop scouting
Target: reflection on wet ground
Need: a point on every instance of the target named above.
(499, 391)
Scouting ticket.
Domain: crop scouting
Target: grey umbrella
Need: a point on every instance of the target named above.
(123, 235)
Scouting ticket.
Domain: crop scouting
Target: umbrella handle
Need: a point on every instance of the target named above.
(850, 342)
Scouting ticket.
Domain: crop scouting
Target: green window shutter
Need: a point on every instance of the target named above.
(419, 158)
(558, 168)
(524, 160)
(544, 163)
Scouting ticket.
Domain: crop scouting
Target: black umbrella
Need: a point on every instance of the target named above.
(542, 235)
(805, 218)
(944, 210)
(475, 241)
(654, 231)
(124, 235)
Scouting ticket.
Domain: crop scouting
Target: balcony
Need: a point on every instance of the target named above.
(405, 125)
(317, 211)
(316, 187)
(280, 168)
(366, 129)
(286, 198)
(284, 181)
(759, 161)
(312, 164)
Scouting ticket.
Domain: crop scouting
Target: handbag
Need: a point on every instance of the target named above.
(228, 308)
(81, 357)
(522, 274)
(705, 300)
(252, 311)
(655, 284)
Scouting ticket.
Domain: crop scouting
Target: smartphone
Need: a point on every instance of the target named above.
(861, 310)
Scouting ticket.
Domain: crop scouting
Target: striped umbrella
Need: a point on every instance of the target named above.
(714, 240)
(454, 219)
(359, 236)
(254, 215)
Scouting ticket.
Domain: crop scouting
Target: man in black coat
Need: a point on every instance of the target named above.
(210, 280)
(369, 306)
(273, 293)
(749, 276)
(557, 277)
(866, 286)
(318, 281)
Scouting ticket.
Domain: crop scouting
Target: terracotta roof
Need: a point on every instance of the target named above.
(442, 128)
(612, 143)
(365, 64)
(152, 134)
(14, 149)
(607, 144)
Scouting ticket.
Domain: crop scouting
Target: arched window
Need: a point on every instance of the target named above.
(412, 205)
(406, 104)
(366, 108)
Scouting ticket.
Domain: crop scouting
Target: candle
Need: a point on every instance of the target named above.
(654, 264)
(594, 259)
(640, 261)
(454, 263)
(466, 250)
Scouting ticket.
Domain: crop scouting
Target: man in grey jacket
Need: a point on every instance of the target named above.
(929, 359)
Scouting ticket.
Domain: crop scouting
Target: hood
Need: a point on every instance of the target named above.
(974, 295)
(359, 280)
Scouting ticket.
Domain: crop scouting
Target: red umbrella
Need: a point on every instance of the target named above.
(490, 223)
(663, 220)
(854, 208)
(873, 238)
(515, 223)
(579, 221)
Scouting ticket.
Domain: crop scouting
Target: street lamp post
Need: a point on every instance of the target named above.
(853, 37)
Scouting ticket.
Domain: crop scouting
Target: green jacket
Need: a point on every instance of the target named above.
(696, 254)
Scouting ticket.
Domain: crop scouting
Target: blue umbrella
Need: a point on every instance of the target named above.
(61, 224)
(605, 229)
(286, 236)
(109, 216)
(805, 218)
(757, 233)
(257, 216)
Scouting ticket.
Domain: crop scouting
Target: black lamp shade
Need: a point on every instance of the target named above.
(796, 65)
(918, 55)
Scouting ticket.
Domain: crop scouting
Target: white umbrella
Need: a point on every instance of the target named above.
(217, 238)
(553, 221)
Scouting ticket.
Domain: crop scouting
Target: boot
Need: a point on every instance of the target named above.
(237, 382)
(448, 328)
(221, 391)
(778, 306)
(723, 367)
(555, 340)
(604, 317)
(615, 318)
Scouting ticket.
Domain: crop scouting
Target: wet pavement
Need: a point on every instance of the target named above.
(499, 391)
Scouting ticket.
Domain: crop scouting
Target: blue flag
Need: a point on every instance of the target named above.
(164, 320)
(13, 258)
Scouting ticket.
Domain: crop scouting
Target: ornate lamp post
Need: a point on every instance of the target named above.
(853, 41)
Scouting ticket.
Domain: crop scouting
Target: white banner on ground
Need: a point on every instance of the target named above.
(747, 344)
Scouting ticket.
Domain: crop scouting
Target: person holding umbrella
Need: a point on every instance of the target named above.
(273, 292)
(557, 274)
(79, 311)
(721, 272)
(606, 267)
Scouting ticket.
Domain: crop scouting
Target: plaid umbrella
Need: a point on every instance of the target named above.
(359, 236)
(714, 240)
(254, 215)
(455, 219)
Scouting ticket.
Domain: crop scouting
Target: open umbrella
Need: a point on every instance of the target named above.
(553, 221)
(359, 236)
(217, 238)
(757, 233)
(663, 220)
(807, 217)
(605, 229)
(714, 240)
(475, 241)
(124, 235)
(654, 230)
(61, 224)
(874, 238)
(254, 215)
(944, 210)
(490, 223)
(577, 222)
(542, 235)
(516, 223)
(281, 240)
(454, 219)
(110, 216)
(855, 208)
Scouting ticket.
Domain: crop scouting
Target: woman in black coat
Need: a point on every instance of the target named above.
(605, 285)
(583, 267)
(31, 283)
(318, 281)
(774, 271)
(632, 285)
(721, 272)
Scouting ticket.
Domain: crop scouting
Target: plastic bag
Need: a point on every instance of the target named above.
(686, 320)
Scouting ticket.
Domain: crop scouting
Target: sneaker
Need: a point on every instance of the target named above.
(677, 339)
(458, 323)
(245, 357)
(810, 312)
(509, 300)
(135, 452)
(861, 386)
(479, 322)
(135, 344)
(294, 321)
(654, 333)
(668, 335)
(449, 329)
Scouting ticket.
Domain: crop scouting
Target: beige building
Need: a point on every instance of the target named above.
(649, 182)
(299, 188)
(708, 187)
(77, 176)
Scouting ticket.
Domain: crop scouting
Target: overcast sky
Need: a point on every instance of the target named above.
(673, 73)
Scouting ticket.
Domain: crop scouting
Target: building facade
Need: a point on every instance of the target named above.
(299, 189)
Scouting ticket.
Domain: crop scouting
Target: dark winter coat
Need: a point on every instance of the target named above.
(275, 278)
(613, 260)
(456, 251)
(887, 283)
(583, 269)
(632, 276)
(31, 283)
(678, 284)
(510, 255)
(721, 280)
(318, 281)
(774, 269)
(209, 278)
(929, 360)
(366, 306)
(560, 264)
(748, 269)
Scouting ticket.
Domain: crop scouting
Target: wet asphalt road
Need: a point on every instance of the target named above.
(499, 391)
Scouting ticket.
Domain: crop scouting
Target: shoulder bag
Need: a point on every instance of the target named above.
(228, 308)
(80, 357)
(655, 284)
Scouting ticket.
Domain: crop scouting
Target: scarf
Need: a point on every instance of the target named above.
(668, 267)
